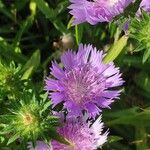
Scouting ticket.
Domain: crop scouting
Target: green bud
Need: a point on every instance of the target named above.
(29, 119)
(140, 31)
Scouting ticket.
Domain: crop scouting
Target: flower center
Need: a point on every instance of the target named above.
(72, 145)
(82, 84)
(78, 91)
(28, 119)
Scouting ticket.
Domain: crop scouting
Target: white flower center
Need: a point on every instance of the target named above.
(78, 91)
(112, 2)
(83, 83)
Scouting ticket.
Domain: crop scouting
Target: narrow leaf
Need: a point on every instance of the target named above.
(146, 55)
(31, 65)
(12, 139)
(78, 33)
(45, 9)
(116, 49)
(113, 139)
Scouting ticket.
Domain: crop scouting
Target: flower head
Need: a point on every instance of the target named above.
(85, 82)
(29, 119)
(80, 134)
(95, 11)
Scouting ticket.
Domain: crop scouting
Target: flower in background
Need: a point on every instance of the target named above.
(95, 11)
(145, 5)
(85, 82)
(80, 134)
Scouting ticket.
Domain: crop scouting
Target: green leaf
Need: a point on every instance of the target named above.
(28, 73)
(6, 11)
(2, 139)
(139, 48)
(8, 52)
(69, 25)
(112, 139)
(25, 25)
(20, 5)
(116, 49)
(13, 138)
(45, 9)
(61, 6)
(78, 33)
(46, 105)
(31, 65)
(146, 55)
(140, 138)
(6, 117)
(117, 114)
(53, 121)
(140, 31)
(137, 119)
(142, 80)
(60, 26)
(132, 9)
(51, 14)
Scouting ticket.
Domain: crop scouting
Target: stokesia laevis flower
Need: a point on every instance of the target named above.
(80, 134)
(94, 11)
(85, 82)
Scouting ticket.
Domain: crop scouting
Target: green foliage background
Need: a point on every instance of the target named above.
(31, 35)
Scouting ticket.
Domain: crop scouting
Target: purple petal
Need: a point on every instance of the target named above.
(92, 109)
(68, 59)
(53, 85)
(56, 71)
(57, 98)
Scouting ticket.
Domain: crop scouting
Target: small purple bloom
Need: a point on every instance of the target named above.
(94, 11)
(80, 134)
(85, 83)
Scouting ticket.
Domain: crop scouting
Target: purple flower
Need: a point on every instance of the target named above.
(94, 11)
(39, 146)
(85, 82)
(80, 134)
(145, 5)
